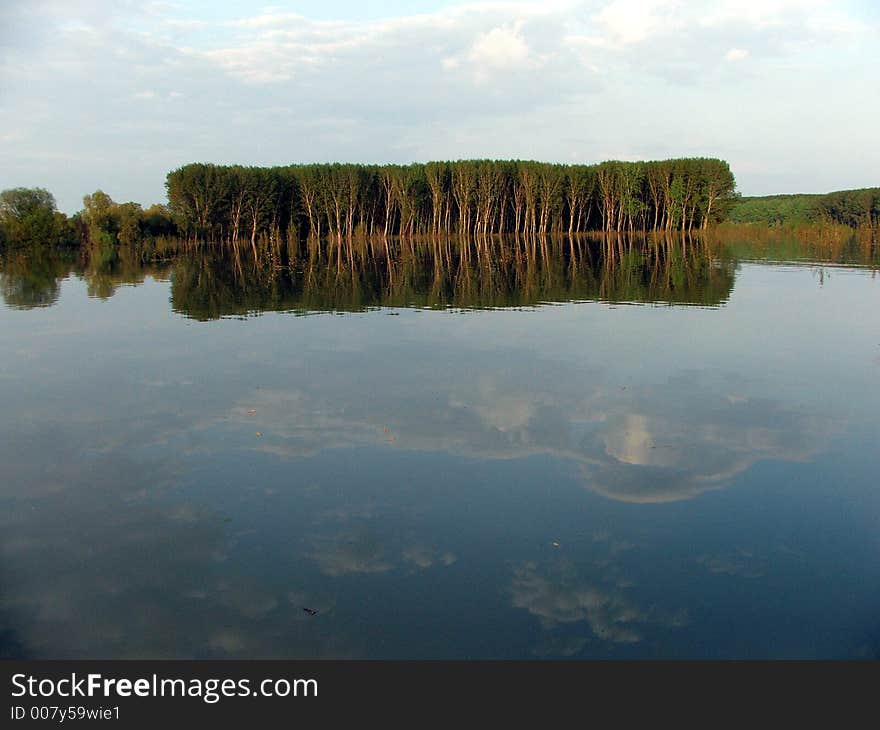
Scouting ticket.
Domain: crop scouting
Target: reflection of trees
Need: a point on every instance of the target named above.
(356, 275)
(31, 277)
(360, 273)
(106, 266)
(207, 286)
(825, 243)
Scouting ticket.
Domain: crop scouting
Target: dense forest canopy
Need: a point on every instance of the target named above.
(467, 197)
(854, 208)
(773, 210)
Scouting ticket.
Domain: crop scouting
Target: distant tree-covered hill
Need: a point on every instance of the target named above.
(854, 208)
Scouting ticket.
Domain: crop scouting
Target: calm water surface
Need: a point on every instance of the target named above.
(637, 456)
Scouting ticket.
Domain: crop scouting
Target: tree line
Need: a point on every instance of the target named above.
(854, 208)
(476, 198)
(466, 197)
(858, 209)
(29, 216)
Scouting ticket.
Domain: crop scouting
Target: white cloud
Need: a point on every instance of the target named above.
(631, 21)
(500, 48)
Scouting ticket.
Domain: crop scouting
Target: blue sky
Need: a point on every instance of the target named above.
(112, 95)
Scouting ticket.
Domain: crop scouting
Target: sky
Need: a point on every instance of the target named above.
(111, 95)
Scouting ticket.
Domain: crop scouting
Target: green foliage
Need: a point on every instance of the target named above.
(469, 197)
(853, 208)
(156, 221)
(98, 215)
(774, 210)
(109, 224)
(28, 217)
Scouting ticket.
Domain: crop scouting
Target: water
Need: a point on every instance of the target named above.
(637, 455)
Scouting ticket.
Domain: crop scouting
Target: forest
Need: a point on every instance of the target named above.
(857, 209)
(466, 197)
(268, 206)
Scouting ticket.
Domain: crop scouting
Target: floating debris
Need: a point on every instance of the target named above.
(259, 433)
(252, 411)
(311, 611)
(555, 544)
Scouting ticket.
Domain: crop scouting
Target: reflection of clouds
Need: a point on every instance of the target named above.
(100, 559)
(425, 557)
(666, 442)
(350, 512)
(350, 552)
(679, 440)
(227, 641)
(301, 600)
(296, 424)
(247, 597)
(102, 562)
(496, 417)
(500, 408)
(610, 549)
(610, 616)
(739, 563)
(628, 440)
(593, 593)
